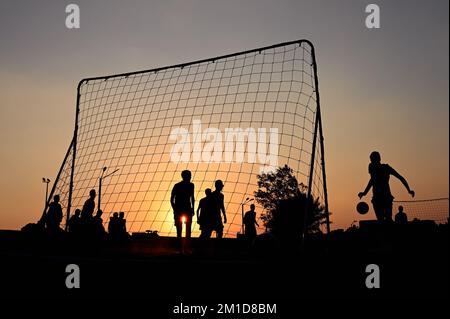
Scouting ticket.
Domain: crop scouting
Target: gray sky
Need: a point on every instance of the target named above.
(384, 89)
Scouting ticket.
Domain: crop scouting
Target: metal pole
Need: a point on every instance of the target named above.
(243, 229)
(183, 65)
(100, 183)
(313, 153)
(74, 153)
(310, 181)
(99, 192)
(322, 148)
(57, 179)
(46, 192)
(324, 176)
(46, 181)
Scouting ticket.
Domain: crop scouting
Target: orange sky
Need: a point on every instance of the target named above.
(380, 89)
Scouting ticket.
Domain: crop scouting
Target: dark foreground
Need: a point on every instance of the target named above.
(413, 264)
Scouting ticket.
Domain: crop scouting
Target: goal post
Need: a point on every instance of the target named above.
(229, 117)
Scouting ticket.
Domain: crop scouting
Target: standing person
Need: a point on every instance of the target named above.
(401, 218)
(122, 224)
(87, 213)
(182, 201)
(218, 209)
(113, 225)
(54, 215)
(74, 222)
(89, 206)
(250, 222)
(204, 211)
(98, 230)
(379, 182)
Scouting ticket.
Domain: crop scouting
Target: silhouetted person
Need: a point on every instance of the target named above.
(218, 208)
(401, 218)
(97, 225)
(250, 223)
(73, 225)
(122, 225)
(89, 206)
(204, 214)
(182, 201)
(87, 212)
(379, 182)
(113, 226)
(54, 215)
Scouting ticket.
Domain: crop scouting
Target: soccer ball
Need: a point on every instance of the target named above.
(362, 208)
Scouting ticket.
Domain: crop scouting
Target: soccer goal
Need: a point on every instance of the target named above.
(229, 117)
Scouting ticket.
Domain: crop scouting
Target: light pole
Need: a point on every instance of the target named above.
(100, 180)
(247, 200)
(46, 181)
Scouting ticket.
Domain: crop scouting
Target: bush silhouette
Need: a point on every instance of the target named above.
(285, 202)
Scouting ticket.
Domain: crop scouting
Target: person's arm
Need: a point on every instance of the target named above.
(172, 198)
(368, 187)
(198, 210)
(222, 208)
(403, 180)
(193, 199)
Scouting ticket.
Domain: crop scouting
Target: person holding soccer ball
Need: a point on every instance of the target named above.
(379, 182)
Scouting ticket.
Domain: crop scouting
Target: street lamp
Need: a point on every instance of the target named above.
(46, 181)
(247, 200)
(100, 180)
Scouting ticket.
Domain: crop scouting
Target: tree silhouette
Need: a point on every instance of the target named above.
(285, 202)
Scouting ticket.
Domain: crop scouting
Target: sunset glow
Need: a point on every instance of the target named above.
(384, 91)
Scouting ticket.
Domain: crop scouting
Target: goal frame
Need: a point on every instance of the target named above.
(317, 134)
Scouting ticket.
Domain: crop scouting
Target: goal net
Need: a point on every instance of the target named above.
(229, 118)
(436, 209)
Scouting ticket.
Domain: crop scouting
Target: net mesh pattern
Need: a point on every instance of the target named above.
(428, 209)
(134, 122)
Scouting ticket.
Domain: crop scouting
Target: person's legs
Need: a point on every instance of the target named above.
(251, 233)
(206, 233)
(388, 211)
(178, 225)
(188, 225)
(51, 226)
(379, 210)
